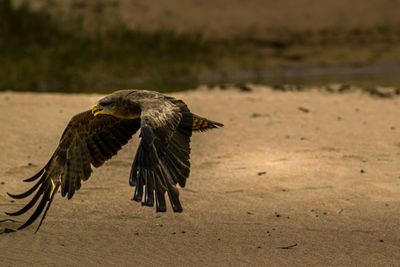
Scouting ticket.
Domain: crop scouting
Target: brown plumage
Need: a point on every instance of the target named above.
(94, 136)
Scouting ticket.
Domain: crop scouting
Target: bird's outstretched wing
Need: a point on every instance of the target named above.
(86, 140)
(162, 158)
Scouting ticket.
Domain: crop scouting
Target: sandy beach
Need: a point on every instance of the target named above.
(293, 179)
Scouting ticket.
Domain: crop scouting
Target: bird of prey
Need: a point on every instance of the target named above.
(94, 136)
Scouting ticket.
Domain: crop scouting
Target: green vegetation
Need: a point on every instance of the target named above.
(38, 52)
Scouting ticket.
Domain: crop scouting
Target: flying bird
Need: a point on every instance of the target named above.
(94, 136)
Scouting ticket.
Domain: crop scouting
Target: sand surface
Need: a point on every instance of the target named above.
(311, 168)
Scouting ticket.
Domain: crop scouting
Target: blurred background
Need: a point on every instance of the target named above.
(105, 45)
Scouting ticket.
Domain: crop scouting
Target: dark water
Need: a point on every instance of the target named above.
(383, 75)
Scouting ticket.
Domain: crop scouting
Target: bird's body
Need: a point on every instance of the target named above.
(94, 136)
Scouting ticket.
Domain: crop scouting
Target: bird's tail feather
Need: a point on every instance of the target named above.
(203, 124)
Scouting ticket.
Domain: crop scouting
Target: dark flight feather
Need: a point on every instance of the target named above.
(80, 146)
(167, 148)
(36, 176)
(30, 191)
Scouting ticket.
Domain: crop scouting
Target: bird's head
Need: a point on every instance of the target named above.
(118, 106)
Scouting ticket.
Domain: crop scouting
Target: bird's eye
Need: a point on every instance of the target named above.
(106, 103)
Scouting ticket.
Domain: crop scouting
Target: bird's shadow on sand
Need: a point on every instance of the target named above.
(8, 226)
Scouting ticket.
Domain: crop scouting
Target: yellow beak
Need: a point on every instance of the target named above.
(96, 110)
